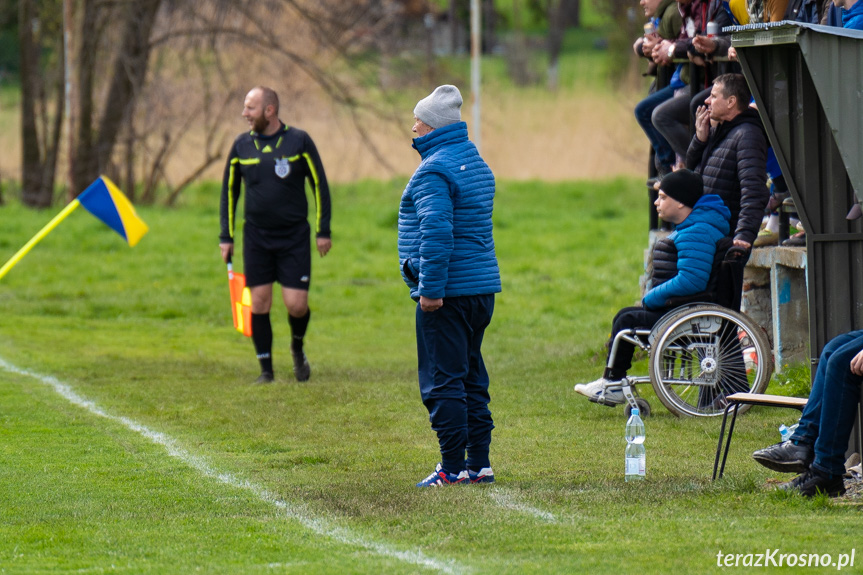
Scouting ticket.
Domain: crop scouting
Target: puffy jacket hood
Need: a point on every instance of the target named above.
(709, 210)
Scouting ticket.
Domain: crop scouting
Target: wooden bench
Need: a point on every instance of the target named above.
(752, 399)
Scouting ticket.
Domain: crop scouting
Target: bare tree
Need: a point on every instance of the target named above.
(113, 79)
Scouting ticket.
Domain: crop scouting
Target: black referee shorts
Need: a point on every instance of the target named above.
(282, 256)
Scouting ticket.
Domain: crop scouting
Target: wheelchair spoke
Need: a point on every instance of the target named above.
(704, 353)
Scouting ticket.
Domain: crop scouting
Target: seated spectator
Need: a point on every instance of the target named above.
(667, 23)
(817, 448)
(673, 119)
(682, 266)
(732, 156)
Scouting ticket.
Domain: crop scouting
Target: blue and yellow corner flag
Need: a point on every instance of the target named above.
(104, 200)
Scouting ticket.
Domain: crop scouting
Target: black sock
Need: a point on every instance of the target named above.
(298, 330)
(262, 337)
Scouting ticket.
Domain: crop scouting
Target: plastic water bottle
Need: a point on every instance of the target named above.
(635, 458)
(787, 432)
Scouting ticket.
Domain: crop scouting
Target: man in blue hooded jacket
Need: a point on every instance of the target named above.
(682, 264)
(447, 258)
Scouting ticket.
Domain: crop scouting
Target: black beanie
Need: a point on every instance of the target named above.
(684, 186)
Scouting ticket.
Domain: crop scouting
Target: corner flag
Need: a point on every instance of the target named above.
(104, 200)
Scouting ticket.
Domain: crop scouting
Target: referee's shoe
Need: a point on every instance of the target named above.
(302, 369)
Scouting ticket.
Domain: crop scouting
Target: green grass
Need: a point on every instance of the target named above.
(145, 334)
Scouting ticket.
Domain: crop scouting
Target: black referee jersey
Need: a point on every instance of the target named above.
(274, 169)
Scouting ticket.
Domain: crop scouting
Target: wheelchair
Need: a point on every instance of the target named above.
(700, 352)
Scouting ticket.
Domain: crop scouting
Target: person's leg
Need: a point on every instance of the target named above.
(839, 398)
(294, 273)
(643, 114)
(259, 265)
(262, 330)
(628, 318)
(671, 119)
(797, 454)
(443, 360)
(808, 428)
(297, 302)
(479, 420)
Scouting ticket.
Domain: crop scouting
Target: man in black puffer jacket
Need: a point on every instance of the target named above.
(732, 156)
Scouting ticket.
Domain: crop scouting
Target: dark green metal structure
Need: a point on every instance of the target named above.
(807, 81)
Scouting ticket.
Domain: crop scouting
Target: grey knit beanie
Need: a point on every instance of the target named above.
(684, 186)
(440, 108)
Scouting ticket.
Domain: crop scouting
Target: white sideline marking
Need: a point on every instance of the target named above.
(508, 501)
(318, 525)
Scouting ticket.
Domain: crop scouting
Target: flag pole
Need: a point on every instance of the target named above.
(38, 237)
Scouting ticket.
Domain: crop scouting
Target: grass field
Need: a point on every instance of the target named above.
(133, 442)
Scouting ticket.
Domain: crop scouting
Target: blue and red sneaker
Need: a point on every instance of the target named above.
(441, 477)
(484, 475)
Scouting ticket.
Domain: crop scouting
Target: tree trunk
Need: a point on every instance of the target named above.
(453, 27)
(81, 155)
(31, 157)
(489, 22)
(52, 138)
(556, 29)
(128, 74)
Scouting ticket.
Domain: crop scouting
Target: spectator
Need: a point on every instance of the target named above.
(666, 20)
(682, 266)
(674, 118)
(732, 156)
(817, 448)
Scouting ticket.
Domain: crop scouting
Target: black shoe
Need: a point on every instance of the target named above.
(302, 369)
(785, 457)
(265, 377)
(811, 483)
(795, 241)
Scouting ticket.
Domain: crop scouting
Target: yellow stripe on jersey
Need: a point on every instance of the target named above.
(317, 191)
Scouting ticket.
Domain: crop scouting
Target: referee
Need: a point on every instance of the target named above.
(274, 161)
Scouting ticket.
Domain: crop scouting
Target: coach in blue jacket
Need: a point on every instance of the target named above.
(447, 258)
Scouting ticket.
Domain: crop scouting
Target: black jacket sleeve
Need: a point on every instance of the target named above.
(230, 197)
(320, 188)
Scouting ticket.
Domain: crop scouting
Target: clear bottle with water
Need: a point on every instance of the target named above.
(635, 459)
(786, 432)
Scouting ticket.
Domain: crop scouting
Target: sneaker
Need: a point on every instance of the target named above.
(484, 475)
(785, 457)
(265, 377)
(441, 477)
(811, 483)
(302, 369)
(603, 391)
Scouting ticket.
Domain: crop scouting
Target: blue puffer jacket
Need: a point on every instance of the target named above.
(853, 18)
(694, 240)
(445, 231)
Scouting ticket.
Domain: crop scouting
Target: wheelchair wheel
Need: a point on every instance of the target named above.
(703, 353)
(643, 408)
